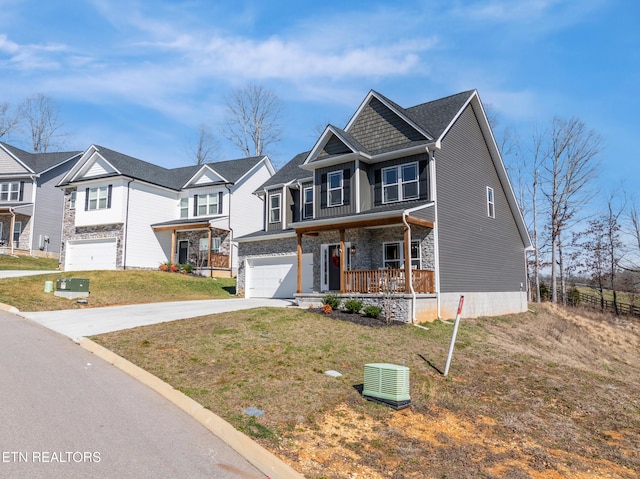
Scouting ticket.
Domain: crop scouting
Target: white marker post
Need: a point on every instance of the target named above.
(453, 337)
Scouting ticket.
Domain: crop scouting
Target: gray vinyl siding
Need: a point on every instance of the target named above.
(366, 190)
(477, 253)
(49, 207)
(378, 128)
(349, 205)
(427, 214)
(375, 179)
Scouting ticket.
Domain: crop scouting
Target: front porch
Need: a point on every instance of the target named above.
(388, 281)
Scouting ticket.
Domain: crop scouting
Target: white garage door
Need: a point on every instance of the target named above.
(277, 276)
(90, 255)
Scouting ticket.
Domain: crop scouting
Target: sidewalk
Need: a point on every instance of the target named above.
(78, 323)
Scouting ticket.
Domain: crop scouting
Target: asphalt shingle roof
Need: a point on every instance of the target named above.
(40, 162)
(289, 172)
(174, 178)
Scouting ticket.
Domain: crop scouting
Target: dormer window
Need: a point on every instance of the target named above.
(334, 189)
(275, 207)
(400, 183)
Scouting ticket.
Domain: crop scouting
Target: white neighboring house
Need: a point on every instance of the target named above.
(124, 213)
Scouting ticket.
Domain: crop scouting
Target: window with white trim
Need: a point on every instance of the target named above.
(72, 200)
(17, 230)
(393, 255)
(275, 207)
(184, 207)
(491, 209)
(335, 192)
(98, 198)
(207, 204)
(307, 202)
(215, 244)
(400, 183)
(10, 191)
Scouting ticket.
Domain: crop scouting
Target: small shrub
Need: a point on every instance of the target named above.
(164, 267)
(332, 300)
(186, 268)
(327, 309)
(353, 306)
(174, 268)
(372, 311)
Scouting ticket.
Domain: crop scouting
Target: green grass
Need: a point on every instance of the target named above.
(109, 288)
(8, 262)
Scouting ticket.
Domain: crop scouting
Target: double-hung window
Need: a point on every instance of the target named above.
(184, 207)
(10, 191)
(491, 207)
(335, 189)
(207, 204)
(400, 183)
(307, 202)
(98, 198)
(275, 207)
(393, 255)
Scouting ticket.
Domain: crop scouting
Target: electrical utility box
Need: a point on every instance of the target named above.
(72, 288)
(387, 384)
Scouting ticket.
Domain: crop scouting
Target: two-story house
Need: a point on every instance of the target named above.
(30, 204)
(412, 205)
(124, 213)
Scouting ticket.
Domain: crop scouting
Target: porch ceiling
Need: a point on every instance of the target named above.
(368, 223)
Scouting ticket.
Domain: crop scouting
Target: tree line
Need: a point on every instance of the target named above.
(581, 231)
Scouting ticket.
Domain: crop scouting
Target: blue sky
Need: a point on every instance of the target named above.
(140, 76)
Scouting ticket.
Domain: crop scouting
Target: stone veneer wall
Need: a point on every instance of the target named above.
(70, 232)
(194, 236)
(368, 243)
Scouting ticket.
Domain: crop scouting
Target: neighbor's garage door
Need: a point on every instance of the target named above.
(277, 276)
(90, 255)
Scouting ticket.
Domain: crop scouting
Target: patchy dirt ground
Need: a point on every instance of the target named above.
(547, 394)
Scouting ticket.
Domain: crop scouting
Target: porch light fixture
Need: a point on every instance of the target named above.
(353, 249)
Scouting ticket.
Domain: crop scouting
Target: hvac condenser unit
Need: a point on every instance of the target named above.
(387, 384)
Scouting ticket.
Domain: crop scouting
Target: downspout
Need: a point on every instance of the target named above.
(408, 275)
(125, 233)
(230, 239)
(436, 242)
(34, 187)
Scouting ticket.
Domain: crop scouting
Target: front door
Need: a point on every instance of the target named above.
(331, 266)
(183, 252)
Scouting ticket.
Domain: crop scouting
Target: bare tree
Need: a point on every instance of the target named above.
(40, 115)
(8, 120)
(568, 169)
(206, 148)
(252, 119)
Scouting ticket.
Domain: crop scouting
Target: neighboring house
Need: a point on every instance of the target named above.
(409, 204)
(30, 204)
(124, 213)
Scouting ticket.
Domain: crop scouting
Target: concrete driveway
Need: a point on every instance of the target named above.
(78, 323)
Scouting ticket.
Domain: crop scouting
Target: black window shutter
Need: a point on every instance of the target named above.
(86, 199)
(423, 171)
(195, 205)
(346, 186)
(323, 190)
(21, 194)
(377, 187)
(109, 190)
(219, 202)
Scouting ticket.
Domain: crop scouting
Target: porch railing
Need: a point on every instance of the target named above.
(219, 260)
(387, 280)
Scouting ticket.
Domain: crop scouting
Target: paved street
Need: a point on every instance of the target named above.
(67, 413)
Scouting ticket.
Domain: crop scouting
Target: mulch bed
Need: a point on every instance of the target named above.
(356, 318)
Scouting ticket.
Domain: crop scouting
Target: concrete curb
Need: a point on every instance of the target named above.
(262, 459)
(9, 309)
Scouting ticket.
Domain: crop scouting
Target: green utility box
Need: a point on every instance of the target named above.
(72, 288)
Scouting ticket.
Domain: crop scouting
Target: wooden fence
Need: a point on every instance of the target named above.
(596, 303)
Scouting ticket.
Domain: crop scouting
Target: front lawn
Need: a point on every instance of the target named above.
(8, 262)
(538, 395)
(110, 288)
